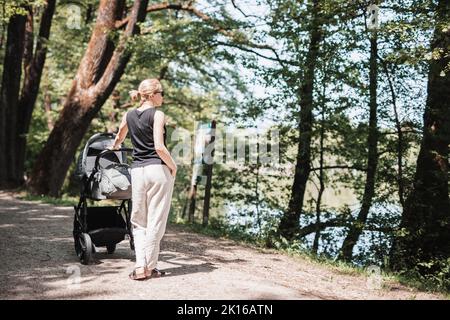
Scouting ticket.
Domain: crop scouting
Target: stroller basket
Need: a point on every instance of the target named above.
(105, 225)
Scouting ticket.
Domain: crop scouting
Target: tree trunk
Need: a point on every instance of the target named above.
(33, 67)
(315, 247)
(48, 109)
(426, 216)
(400, 139)
(192, 200)
(372, 160)
(208, 172)
(9, 97)
(20, 109)
(289, 224)
(100, 69)
(257, 204)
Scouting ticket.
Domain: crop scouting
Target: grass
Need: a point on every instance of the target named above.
(421, 284)
(65, 201)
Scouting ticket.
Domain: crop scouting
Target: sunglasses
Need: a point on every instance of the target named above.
(161, 92)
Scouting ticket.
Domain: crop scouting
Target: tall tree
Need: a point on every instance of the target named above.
(321, 175)
(289, 224)
(425, 226)
(99, 71)
(357, 227)
(33, 67)
(9, 95)
(20, 109)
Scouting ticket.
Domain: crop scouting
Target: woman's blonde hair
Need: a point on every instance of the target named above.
(147, 88)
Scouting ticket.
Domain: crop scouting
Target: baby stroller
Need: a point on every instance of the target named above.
(103, 174)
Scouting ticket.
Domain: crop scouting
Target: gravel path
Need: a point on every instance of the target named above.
(38, 261)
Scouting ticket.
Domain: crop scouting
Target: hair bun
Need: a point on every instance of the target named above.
(135, 95)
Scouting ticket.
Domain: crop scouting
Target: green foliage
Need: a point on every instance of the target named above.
(434, 274)
(18, 7)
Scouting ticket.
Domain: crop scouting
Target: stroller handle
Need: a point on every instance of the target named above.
(106, 151)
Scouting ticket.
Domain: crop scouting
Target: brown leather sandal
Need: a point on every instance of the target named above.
(155, 273)
(135, 275)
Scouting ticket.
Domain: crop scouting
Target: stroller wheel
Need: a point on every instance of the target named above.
(85, 249)
(111, 248)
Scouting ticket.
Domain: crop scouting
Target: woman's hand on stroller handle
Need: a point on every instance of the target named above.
(114, 147)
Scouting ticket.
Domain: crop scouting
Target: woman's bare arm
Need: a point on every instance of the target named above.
(122, 134)
(158, 137)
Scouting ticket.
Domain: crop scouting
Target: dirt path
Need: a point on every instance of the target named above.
(38, 261)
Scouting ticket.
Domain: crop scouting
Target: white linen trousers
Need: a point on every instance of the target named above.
(152, 187)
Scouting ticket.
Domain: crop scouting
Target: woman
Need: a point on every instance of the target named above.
(153, 172)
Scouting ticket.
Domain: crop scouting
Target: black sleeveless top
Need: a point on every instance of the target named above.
(140, 126)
